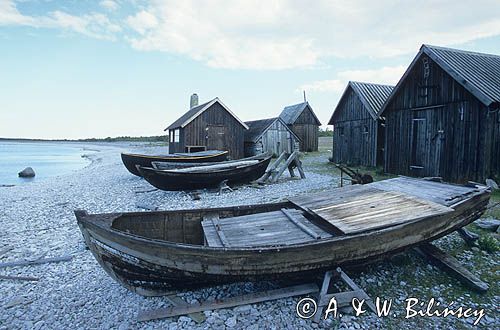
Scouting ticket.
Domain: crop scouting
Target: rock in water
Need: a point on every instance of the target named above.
(492, 184)
(27, 173)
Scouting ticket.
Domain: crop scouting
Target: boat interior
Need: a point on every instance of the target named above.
(352, 210)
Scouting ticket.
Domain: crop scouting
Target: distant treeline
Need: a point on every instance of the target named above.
(158, 138)
(327, 132)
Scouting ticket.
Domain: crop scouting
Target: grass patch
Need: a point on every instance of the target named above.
(488, 243)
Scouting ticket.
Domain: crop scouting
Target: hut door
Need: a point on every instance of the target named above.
(216, 136)
(419, 145)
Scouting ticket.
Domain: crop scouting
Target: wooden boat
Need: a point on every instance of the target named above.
(210, 176)
(132, 160)
(161, 165)
(156, 252)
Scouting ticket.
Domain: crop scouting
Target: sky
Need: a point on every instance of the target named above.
(78, 69)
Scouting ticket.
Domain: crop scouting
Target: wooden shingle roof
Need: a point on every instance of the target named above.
(371, 95)
(194, 112)
(477, 72)
(292, 112)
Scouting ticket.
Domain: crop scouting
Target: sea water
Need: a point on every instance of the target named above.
(47, 159)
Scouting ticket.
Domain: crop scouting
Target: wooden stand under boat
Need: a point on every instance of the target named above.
(153, 253)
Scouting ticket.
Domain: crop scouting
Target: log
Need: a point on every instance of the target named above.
(469, 237)
(246, 299)
(35, 262)
(18, 278)
(451, 266)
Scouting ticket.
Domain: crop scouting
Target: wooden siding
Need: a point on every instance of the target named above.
(215, 128)
(276, 139)
(435, 127)
(306, 129)
(355, 133)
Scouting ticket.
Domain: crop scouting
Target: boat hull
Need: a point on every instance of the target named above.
(131, 161)
(157, 267)
(172, 180)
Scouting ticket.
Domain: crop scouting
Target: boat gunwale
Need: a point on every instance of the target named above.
(178, 157)
(261, 249)
(174, 172)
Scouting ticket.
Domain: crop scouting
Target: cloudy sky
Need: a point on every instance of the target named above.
(76, 68)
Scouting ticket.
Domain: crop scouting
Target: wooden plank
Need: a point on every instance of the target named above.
(18, 278)
(300, 225)
(178, 302)
(283, 167)
(246, 299)
(35, 262)
(452, 266)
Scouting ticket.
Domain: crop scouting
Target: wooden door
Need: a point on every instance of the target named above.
(419, 145)
(216, 138)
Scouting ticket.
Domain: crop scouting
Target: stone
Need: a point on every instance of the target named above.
(492, 184)
(28, 172)
(231, 322)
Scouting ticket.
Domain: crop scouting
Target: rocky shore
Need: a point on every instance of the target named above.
(36, 220)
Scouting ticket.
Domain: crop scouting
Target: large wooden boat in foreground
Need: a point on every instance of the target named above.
(153, 253)
(131, 161)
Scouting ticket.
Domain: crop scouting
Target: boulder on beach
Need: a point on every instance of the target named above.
(27, 173)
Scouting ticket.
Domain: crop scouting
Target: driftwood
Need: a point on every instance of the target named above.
(5, 250)
(18, 278)
(451, 266)
(35, 262)
(246, 299)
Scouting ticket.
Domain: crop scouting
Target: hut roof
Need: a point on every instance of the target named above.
(478, 73)
(194, 112)
(256, 128)
(371, 95)
(292, 112)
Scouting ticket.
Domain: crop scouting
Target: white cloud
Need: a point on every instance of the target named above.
(95, 25)
(278, 34)
(109, 5)
(288, 34)
(142, 21)
(385, 75)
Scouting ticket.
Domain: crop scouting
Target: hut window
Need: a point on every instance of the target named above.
(177, 135)
(426, 67)
(171, 135)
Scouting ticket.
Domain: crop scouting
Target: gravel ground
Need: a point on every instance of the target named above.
(36, 220)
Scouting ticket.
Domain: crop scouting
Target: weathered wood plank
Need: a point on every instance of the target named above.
(246, 299)
(19, 278)
(312, 233)
(35, 262)
(452, 266)
(178, 302)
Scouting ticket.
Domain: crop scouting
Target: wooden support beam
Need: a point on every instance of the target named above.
(272, 169)
(35, 262)
(283, 167)
(347, 280)
(246, 299)
(178, 302)
(451, 266)
(469, 237)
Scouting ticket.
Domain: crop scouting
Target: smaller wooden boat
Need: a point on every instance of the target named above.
(210, 156)
(175, 165)
(210, 176)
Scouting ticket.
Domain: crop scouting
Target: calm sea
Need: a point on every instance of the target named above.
(46, 158)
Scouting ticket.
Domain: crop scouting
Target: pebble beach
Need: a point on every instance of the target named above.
(37, 221)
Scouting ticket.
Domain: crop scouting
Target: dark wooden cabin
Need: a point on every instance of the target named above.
(358, 131)
(209, 126)
(304, 123)
(269, 135)
(442, 118)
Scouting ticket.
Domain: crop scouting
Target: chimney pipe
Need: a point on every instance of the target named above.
(194, 101)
